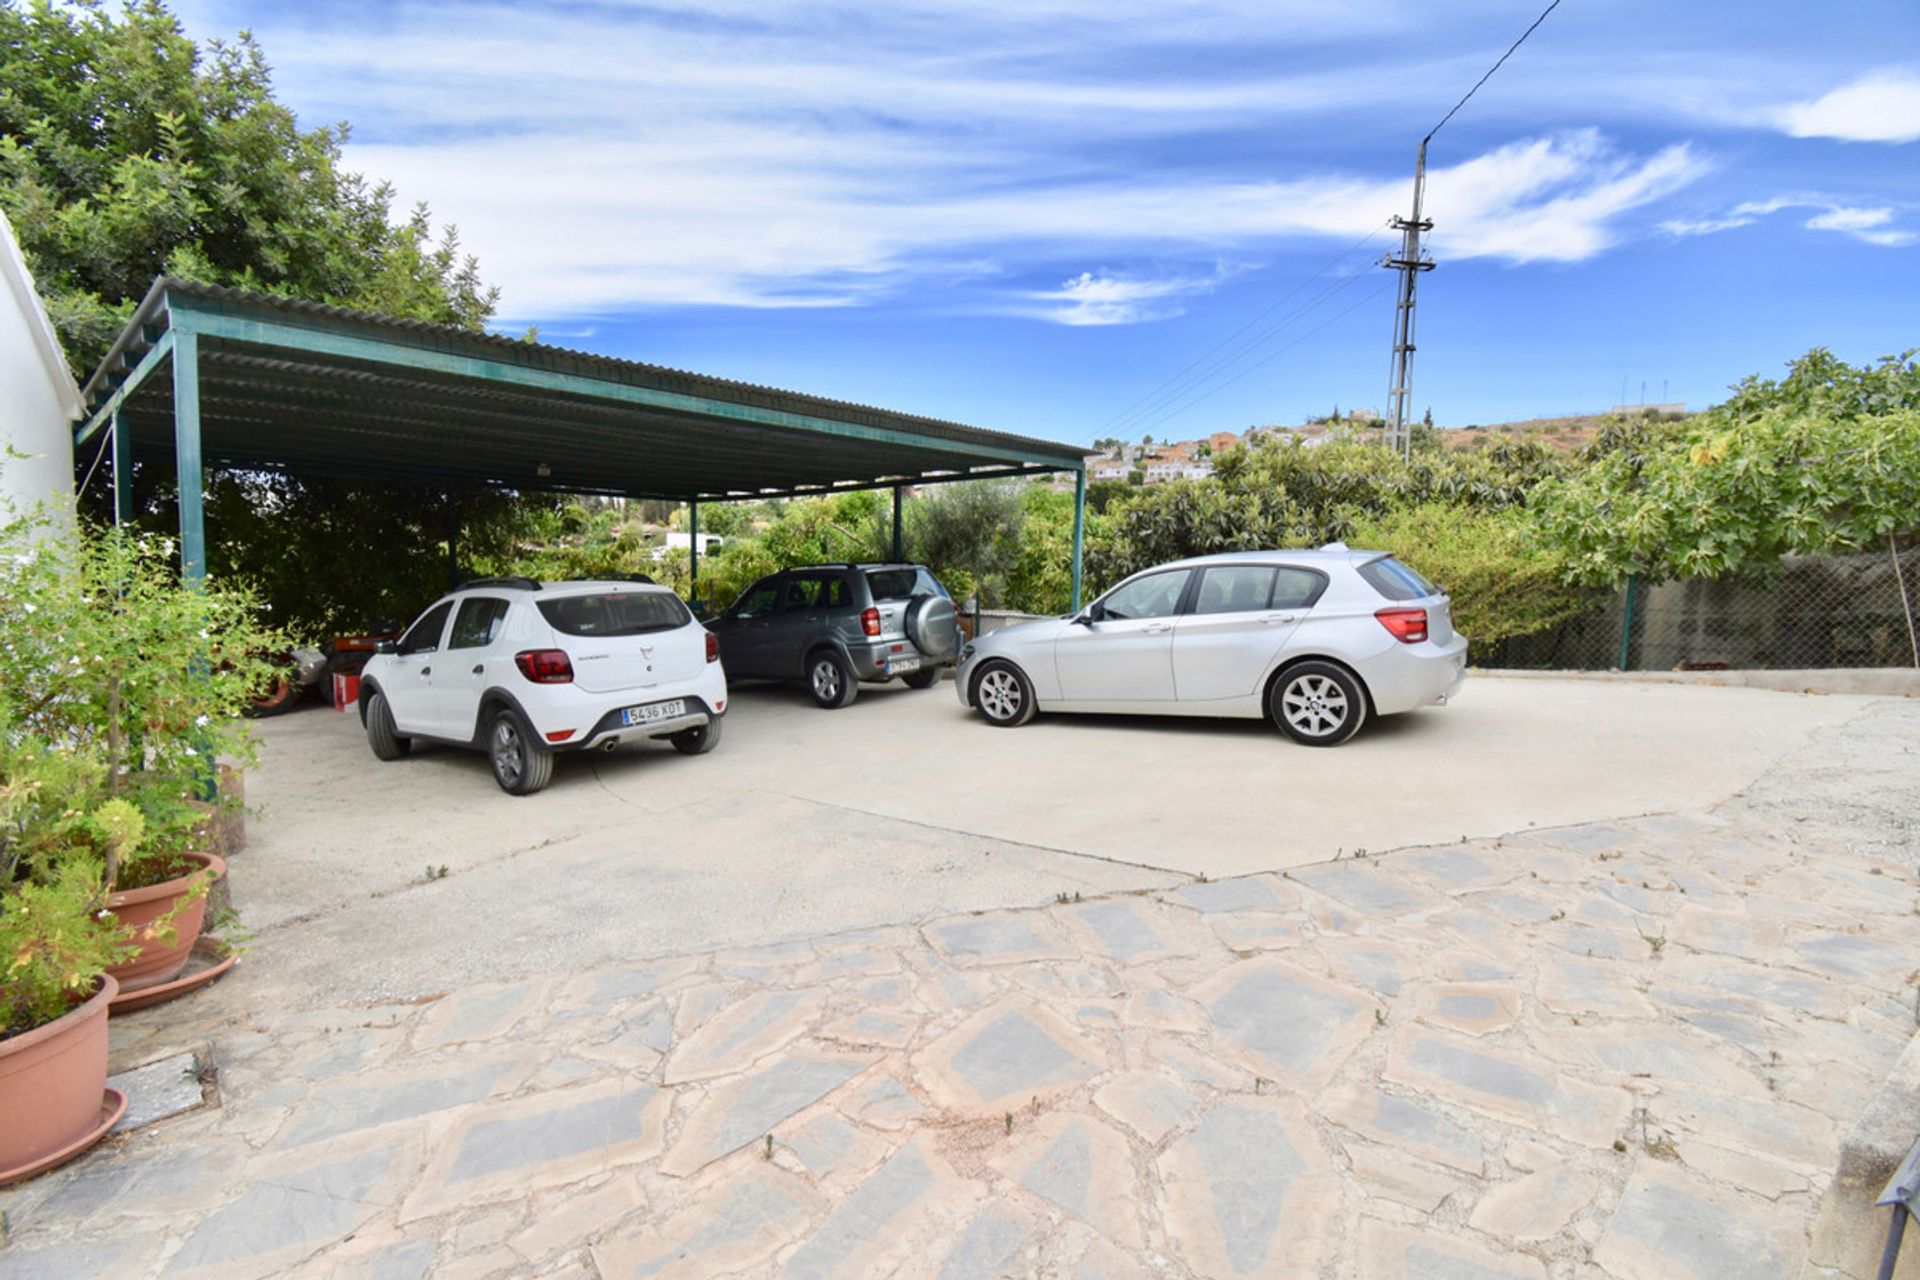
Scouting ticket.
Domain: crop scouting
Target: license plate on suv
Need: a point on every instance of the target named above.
(654, 711)
(901, 666)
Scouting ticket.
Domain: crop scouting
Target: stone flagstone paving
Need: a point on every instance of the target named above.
(1611, 1052)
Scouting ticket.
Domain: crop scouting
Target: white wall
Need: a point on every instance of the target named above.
(38, 399)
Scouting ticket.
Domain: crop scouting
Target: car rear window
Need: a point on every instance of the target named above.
(615, 613)
(898, 584)
(1395, 581)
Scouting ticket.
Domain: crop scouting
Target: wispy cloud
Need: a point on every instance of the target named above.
(1872, 225)
(719, 216)
(782, 153)
(1881, 106)
(1101, 298)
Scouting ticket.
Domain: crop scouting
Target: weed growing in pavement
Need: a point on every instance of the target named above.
(1660, 1147)
(1379, 1017)
(436, 873)
(1009, 1124)
(768, 1155)
(1658, 943)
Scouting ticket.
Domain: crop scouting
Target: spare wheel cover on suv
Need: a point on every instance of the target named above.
(931, 626)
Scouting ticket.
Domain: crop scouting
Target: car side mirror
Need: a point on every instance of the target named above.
(386, 646)
(1088, 616)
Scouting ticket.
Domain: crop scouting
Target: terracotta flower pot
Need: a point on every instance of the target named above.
(52, 1083)
(138, 909)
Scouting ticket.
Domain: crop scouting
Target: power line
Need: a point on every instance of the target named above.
(1161, 391)
(1221, 364)
(1413, 260)
(1490, 70)
(1271, 357)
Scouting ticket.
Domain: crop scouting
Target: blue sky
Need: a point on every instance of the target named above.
(1031, 214)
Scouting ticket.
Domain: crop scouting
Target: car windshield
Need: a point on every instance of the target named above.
(615, 613)
(1395, 581)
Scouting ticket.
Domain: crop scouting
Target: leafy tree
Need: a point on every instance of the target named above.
(1825, 460)
(126, 151)
(969, 535)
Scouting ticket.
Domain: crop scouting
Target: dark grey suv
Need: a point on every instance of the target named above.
(829, 627)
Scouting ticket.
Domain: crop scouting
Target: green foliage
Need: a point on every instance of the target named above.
(119, 688)
(326, 556)
(1826, 460)
(127, 151)
(1504, 579)
(841, 528)
(969, 535)
(1283, 492)
(1041, 578)
(104, 653)
(578, 539)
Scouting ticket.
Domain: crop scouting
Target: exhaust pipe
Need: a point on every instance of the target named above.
(609, 744)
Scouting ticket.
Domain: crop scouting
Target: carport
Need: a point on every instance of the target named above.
(276, 384)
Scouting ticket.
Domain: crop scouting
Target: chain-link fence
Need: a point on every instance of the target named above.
(1813, 611)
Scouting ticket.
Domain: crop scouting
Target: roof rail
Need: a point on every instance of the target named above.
(525, 584)
(640, 578)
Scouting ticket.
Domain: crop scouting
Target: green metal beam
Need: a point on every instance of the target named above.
(111, 405)
(186, 453)
(187, 317)
(898, 555)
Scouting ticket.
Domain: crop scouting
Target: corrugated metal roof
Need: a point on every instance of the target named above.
(308, 386)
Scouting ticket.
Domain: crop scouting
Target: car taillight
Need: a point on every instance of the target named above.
(1409, 626)
(544, 666)
(713, 647)
(870, 621)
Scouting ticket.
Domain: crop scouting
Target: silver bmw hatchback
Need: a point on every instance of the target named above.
(1315, 641)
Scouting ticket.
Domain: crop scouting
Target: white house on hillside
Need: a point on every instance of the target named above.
(38, 399)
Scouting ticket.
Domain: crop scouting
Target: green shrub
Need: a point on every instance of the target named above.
(119, 688)
(1504, 579)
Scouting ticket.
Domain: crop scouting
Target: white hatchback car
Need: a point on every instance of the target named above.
(523, 669)
(1316, 641)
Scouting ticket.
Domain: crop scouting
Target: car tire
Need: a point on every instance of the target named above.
(1003, 695)
(386, 744)
(830, 680)
(921, 679)
(697, 742)
(520, 767)
(1317, 704)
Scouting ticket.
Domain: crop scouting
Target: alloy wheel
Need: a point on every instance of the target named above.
(1315, 705)
(826, 680)
(507, 763)
(999, 694)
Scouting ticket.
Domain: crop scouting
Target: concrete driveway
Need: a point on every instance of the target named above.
(903, 807)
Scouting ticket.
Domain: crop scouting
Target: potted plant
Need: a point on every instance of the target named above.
(108, 653)
(56, 943)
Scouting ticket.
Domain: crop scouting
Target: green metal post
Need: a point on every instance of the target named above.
(693, 552)
(122, 469)
(897, 556)
(1626, 625)
(186, 448)
(1079, 530)
(191, 477)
